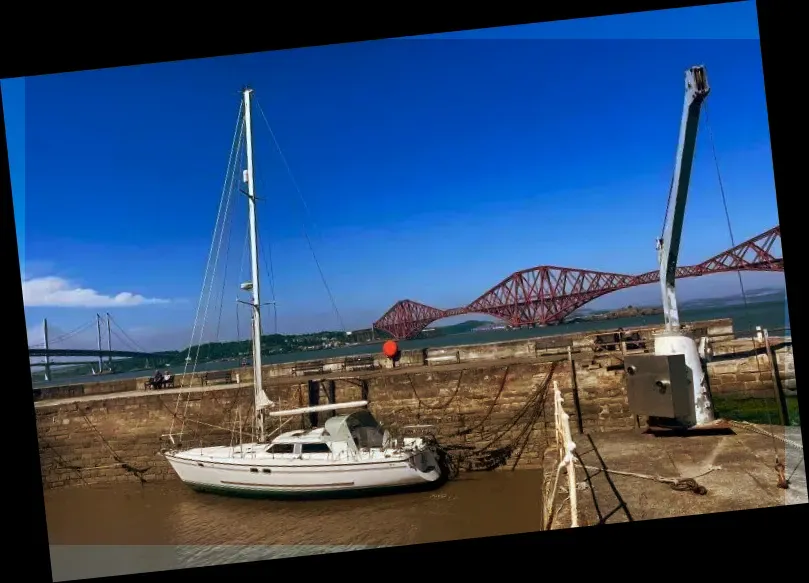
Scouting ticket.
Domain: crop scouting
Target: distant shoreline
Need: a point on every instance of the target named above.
(228, 352)
(628, 312)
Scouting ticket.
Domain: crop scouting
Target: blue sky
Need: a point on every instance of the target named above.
(431, 168)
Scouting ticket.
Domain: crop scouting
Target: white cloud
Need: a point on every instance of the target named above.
(57, 292)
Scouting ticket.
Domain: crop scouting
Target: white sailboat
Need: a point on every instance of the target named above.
(350, 454)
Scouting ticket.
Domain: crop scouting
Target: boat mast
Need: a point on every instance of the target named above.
(258, 393)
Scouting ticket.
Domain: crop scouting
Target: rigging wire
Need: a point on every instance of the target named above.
(229, 219)
(242, 262)
(236, 137)
(227, 197)
(306, 209)
(269, 268)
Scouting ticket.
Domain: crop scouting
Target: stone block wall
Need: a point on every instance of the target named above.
(113, 436)
(742, 368)
(485, 405)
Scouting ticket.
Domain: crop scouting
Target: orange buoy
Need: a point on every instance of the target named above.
(390, 348)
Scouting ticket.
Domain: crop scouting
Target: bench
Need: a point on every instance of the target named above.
(308, 368)
(612, 342)
(217, 375)
(360, 363)
(149, 384)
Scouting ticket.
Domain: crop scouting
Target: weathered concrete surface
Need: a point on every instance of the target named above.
(746, 478)
(795, 469)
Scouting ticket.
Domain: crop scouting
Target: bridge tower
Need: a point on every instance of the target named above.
(47, 353)
(109, 342)
(100, 351)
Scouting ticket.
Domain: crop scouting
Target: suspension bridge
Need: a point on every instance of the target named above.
(106, 330)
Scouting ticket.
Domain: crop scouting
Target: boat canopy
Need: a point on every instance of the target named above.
(360, 427)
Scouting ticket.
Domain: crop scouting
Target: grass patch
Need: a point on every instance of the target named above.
(756, 410)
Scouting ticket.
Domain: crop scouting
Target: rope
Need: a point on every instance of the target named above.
(679, 484)
(490, 457)
(489, 412)
(138, 472)
(566, 449)
(60, 461)
(436, 407)
(756, 429)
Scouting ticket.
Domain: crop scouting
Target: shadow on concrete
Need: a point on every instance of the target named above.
(602, 516)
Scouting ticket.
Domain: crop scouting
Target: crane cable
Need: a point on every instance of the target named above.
(779, 465)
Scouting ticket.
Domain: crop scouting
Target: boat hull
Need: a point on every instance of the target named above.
(263, 478)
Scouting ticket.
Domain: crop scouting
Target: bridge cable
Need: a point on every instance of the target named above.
(132, 342)
(124, 342)
(63, 337)
(306, 210)
(66, 335)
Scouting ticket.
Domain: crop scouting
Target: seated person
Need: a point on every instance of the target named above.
(157, 379)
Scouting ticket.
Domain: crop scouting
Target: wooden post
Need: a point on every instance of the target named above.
(780, 399)
(314, 400)
(575, 384)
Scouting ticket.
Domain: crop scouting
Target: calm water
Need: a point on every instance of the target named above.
(196, 525)
(771, 315)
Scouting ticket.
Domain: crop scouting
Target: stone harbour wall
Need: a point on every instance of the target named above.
(118, 437)
(742, 368)
(486, 405)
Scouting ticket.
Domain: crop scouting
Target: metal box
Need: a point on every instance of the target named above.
(660, 386)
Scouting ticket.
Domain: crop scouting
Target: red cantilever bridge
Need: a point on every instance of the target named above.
(547, 295)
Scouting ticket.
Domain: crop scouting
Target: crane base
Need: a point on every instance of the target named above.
(658, 429)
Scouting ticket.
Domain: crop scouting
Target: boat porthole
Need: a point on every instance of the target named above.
(267, 471)
(254, 470)
(200, 464)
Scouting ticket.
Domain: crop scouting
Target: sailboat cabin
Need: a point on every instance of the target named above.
(340, 434)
